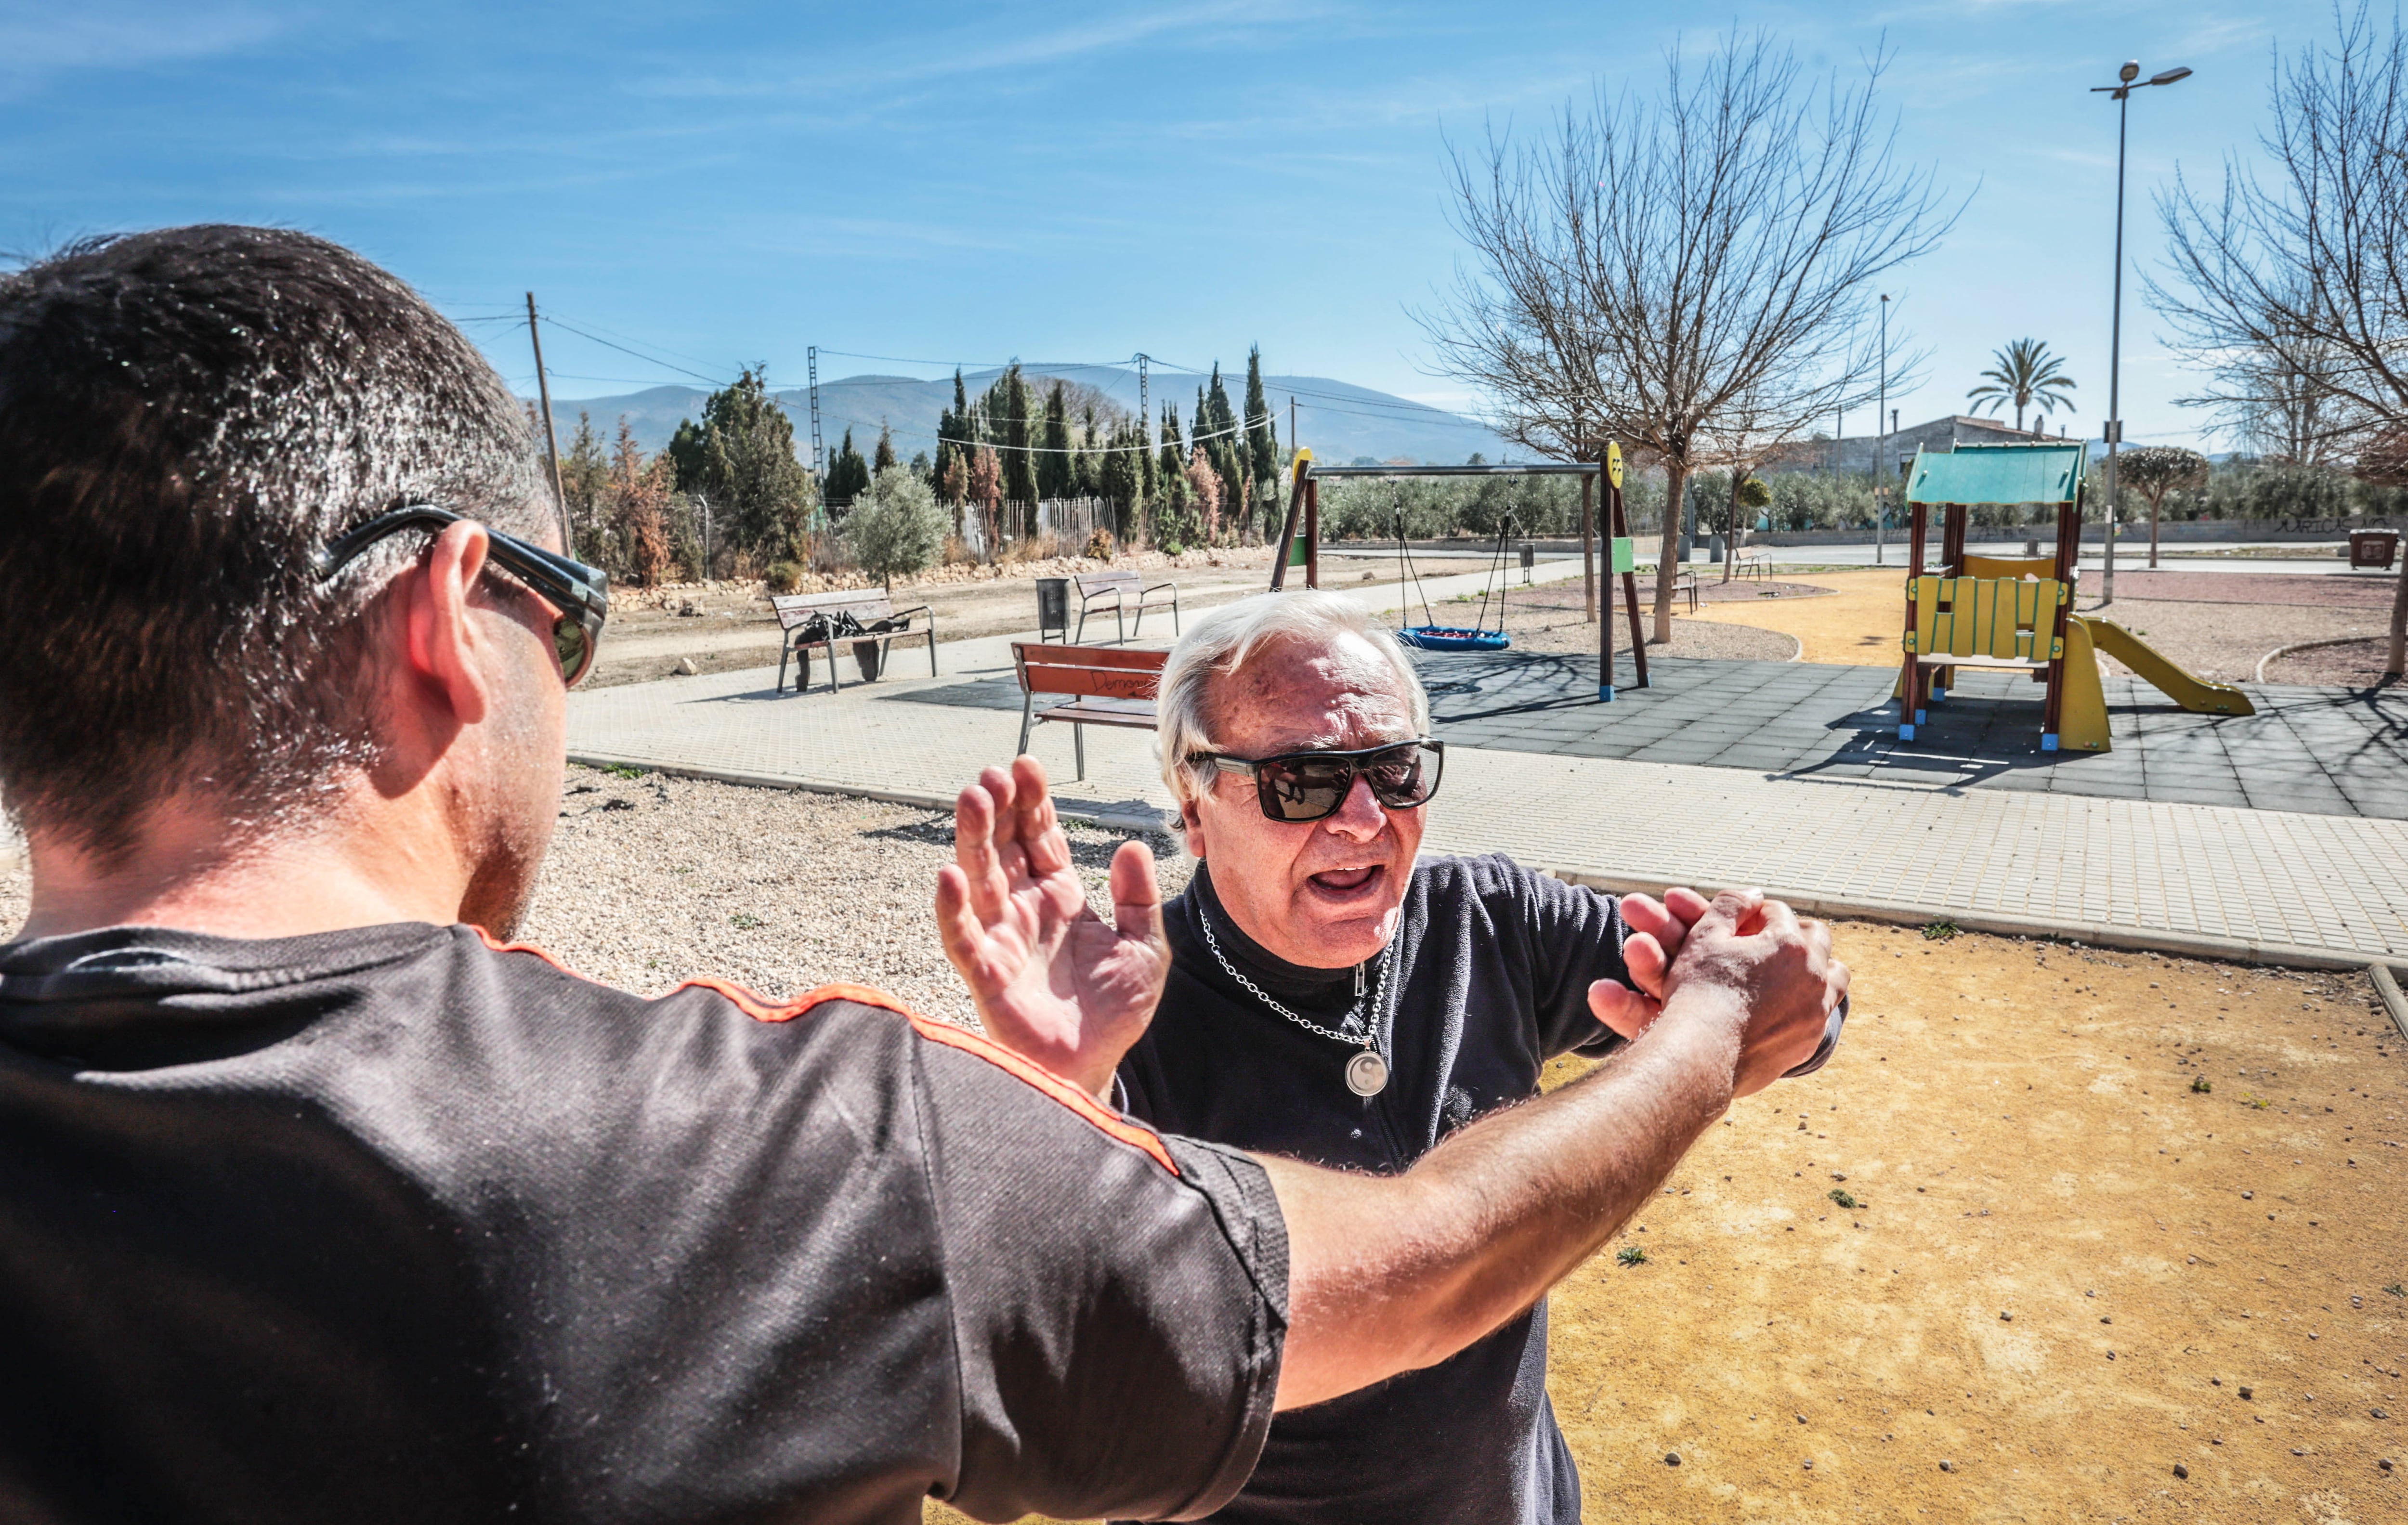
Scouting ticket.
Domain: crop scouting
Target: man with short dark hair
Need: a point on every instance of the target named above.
(318, 1201)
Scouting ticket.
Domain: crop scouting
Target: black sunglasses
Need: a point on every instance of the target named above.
(1311, 786)
(581, 593)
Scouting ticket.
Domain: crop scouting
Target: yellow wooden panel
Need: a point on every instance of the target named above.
(1986, 616)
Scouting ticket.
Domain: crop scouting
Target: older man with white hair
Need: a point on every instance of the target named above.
(1335, 997)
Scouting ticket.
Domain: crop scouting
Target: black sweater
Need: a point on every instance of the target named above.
(1493, 966)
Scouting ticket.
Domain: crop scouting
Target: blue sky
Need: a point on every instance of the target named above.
(722, 185)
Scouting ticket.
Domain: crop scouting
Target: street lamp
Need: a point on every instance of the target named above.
(2128, 80)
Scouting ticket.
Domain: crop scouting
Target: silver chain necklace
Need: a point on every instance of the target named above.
(1366, 1073)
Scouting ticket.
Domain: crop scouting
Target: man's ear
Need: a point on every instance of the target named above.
(448, 650)
(1191, 822)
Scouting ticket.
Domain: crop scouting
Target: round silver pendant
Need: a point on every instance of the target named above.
(1367, 1074)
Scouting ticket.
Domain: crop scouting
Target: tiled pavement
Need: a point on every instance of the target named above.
(1899, 835)
(2319, 750)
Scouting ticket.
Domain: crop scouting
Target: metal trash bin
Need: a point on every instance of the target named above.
(1053, 608)
(2373, 548)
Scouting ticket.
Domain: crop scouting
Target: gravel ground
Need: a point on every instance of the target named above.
(2223, 641)
(652, 881)
(2357, 666)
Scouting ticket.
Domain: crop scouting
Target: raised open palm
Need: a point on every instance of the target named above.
(1051, 978)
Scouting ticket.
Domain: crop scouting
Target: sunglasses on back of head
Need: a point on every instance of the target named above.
(1312, 786)
(581, 593)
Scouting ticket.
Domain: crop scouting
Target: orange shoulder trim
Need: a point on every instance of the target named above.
(1022, 1069)
(499, 947)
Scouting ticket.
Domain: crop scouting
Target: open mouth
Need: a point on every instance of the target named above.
(1346, 885)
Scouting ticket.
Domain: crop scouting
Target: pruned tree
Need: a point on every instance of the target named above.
(636, 519)
(2306, 270)
(2155, 470)
(1659, 260)
(986, 493)
(1204, 489)
(2027, 375)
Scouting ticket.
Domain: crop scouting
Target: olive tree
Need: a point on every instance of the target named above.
(897, 527)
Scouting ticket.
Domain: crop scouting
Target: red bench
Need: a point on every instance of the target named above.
(1109, 686)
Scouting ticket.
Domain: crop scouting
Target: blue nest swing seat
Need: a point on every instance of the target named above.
(1433, 637)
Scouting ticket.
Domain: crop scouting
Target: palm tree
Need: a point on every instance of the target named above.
(2028, 375)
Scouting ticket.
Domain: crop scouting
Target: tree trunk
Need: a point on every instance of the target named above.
(1676, 485)
(1730, 540)
(2396, 665)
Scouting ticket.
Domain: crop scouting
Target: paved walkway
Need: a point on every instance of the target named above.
(2325, 752)
(2295, 883)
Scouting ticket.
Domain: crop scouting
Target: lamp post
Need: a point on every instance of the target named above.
(1881, 411)
(2128, 80)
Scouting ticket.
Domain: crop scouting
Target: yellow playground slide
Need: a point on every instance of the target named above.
(2196, 695)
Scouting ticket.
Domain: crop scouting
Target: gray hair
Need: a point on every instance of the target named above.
(1219, 644)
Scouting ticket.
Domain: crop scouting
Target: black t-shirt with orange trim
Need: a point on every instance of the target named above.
(396, 1224)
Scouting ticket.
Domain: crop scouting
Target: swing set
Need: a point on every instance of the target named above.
(1303, 536)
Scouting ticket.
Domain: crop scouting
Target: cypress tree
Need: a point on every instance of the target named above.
(1054, 464)
(885, 456)
(1174, 460)
(1262, 435)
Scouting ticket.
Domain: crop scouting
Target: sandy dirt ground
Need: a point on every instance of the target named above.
(2064, 1268)
(2209, 623)
(1554, 616)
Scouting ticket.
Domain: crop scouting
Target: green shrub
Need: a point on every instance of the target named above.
(785, 577)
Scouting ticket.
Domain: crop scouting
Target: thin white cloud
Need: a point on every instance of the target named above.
(39, 42)
(978, 51)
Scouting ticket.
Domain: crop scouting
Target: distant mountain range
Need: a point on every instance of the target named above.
(1339, 422)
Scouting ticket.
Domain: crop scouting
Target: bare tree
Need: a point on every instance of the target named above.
(2306, 272)
(2278, 403)
(1658, 264)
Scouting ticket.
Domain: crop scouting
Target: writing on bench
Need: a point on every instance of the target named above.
(868, 621)
(1108, 686)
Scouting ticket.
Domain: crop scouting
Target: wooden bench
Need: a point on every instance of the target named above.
(1108, 687)
(796, 612)
(1095, 587)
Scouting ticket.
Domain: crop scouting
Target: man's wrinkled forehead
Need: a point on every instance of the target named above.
(1295, 692)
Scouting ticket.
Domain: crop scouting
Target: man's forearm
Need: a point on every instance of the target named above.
(1391, 1273)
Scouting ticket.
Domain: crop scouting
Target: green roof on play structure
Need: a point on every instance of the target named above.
(1999, 473)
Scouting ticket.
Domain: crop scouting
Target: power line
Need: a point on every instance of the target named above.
(648, 359)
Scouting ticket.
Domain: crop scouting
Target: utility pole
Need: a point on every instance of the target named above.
(1145, 401)
(1881, 411)
(819, 451)
(550, 437)
(2122, 90)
